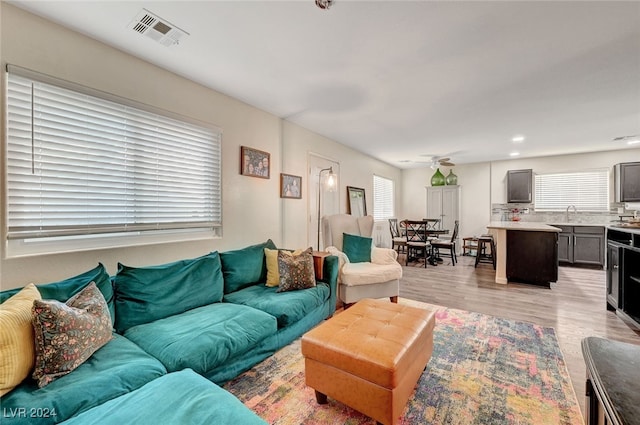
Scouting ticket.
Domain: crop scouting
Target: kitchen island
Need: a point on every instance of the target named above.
(526, 252)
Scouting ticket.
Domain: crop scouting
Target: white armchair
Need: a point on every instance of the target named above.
(379, 278)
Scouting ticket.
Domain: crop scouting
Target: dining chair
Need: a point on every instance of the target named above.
(432, 223)
(398, 240)
(417, 242)
(450, 245)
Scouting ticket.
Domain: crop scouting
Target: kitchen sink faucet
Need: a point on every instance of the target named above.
(575, 211)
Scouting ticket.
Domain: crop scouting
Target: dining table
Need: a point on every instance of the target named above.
(418, 232)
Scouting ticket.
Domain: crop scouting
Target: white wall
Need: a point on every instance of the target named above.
(556, 164)
(484, 184)
(475, 206)
(252, 208)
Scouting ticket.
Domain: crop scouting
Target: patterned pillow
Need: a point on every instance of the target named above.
(273, 273)
(296, 271)
(67, 334)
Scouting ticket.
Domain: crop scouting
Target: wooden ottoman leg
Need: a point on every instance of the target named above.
(321, 398)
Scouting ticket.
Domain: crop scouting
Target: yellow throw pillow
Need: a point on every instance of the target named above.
(273, 274)
(17, 346)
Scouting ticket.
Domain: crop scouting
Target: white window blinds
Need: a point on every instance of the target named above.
(586, 190)
(80, 164)
(383, 195)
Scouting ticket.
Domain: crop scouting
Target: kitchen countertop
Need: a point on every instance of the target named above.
(628, 229)
(561, 223)
(523, 225)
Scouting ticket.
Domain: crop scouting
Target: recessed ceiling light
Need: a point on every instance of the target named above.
(517, 139)
(514, 154)
(633, 142)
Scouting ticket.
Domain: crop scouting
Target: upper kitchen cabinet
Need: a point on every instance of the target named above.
(627, 182)
(519, 183)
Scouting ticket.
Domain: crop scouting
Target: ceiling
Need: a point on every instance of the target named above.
(404, 80)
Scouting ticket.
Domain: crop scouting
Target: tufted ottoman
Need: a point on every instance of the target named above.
(370, 357)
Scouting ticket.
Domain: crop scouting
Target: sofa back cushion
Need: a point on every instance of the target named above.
(245, 267)
(65, 289)
(145, 294)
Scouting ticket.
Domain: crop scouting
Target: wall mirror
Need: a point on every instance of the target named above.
(356, 201)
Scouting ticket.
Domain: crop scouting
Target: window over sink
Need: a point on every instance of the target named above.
(585, 190)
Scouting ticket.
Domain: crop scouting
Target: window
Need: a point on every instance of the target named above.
(81, 162)
(586, 190)
(383, 195)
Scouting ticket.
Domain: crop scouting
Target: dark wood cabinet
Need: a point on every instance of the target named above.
(613, 276)
(532, 257)
(565, 244)
(623, 274)
(581, 245)
(627, 182)
(519, 185)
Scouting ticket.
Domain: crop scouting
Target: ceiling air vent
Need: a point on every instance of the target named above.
(157, 28)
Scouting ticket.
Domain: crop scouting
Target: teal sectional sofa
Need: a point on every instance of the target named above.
(175, 325)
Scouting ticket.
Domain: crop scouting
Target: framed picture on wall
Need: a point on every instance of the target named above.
(255, 163)
(356, 201)
(290, 186)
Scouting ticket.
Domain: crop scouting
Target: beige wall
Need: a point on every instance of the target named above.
(252, 208)
(356, 170)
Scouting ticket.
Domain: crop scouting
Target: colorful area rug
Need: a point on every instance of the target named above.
(484, 370)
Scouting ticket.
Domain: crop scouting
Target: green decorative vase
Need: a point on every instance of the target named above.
(451, 179)
(437, 179)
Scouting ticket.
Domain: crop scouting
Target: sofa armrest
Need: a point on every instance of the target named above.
(331, 270)
(383, 255)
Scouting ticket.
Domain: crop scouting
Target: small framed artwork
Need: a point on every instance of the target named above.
(290, 186)
(255, 163)
(356, 201)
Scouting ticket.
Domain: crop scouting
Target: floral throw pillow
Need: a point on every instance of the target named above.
(296, 271)
(67, 334)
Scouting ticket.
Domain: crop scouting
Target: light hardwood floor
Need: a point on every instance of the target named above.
(575, 305)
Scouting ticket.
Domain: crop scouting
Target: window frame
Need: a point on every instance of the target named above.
(577, 191)
(391, 200)
(17, 246)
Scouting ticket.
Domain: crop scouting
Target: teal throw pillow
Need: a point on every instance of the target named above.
(245, 267)
(65, 289)
(145, 294)
(357, 248)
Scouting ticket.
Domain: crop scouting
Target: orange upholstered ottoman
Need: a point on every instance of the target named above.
(370, 357)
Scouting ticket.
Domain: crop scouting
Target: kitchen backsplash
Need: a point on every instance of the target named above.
(526, 212)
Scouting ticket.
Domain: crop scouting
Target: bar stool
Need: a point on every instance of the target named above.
(485, 241)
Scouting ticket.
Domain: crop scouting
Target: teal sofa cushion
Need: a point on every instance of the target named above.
(117, 368)
(288, 307)
(177, 398)
(204, 338)
(145, 294)
(357, 248)
(65, 289)
(245, 267)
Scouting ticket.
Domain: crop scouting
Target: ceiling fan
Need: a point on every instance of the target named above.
(437, 161)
